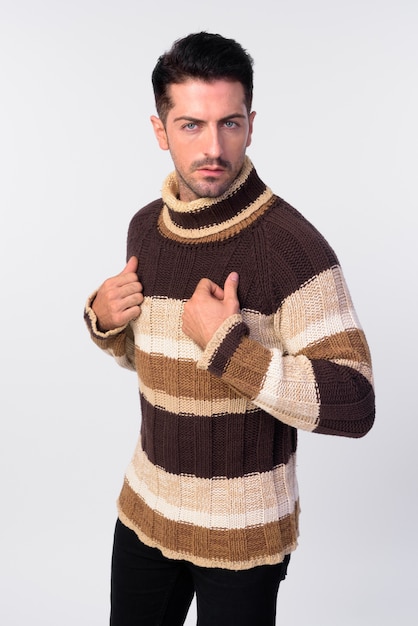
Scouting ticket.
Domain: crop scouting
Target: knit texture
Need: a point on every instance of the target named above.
(213, 477)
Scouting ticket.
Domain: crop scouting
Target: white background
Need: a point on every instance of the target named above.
(336, 136)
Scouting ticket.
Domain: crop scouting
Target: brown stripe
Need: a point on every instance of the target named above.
(350, 345)
(180, 378)
(232, 549)
(247, 369)
(221, 445)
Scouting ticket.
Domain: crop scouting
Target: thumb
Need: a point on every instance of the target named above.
(131, 266)
(231, 287)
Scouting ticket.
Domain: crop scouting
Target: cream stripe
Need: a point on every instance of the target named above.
(314, 332)
(169, 347)
(289, 388)
(158, 330)
(301, 318)
(168, 339)
(195, 406)
(262, 328)
(216, 503)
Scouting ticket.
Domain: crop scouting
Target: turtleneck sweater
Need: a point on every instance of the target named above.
(213, 476)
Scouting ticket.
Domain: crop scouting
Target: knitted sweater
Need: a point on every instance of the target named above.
(212, 479)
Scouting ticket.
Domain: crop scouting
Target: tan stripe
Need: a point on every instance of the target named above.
(222, 503)
(235, 404)
(231, 549)
(319, 309)
(213, 233)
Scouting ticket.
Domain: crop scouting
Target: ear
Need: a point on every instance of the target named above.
(159, 131)
(250, 127)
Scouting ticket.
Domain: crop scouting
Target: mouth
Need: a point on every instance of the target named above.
(211, 171)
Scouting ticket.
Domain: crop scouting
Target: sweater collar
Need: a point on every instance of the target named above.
(214, 218)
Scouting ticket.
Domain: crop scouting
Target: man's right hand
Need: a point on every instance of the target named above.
(119, 299)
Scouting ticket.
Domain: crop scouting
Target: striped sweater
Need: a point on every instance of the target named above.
(212, 479)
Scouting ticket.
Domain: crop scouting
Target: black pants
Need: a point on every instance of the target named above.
(149, 589)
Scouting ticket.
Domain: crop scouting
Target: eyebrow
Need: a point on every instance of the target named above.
(186, 118)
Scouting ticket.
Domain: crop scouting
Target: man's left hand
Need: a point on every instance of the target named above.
(209, 307)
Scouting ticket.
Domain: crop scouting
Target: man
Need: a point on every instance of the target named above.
(235, 315)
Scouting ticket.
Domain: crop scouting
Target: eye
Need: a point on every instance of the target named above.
(230, 124)
(190, 126)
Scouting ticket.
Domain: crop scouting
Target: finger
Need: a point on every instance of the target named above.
(231, 289)
(208, 287)
(129, 272)
(231, 286)
(217, 292)
(136, 298)
(127, 289)
(129, 315)
(131, 266)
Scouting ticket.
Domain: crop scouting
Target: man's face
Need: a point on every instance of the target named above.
(207, 132)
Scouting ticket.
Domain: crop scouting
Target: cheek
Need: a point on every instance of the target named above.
(240, 142)
(181, 154)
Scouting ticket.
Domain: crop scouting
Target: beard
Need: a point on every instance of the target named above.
(208, 186)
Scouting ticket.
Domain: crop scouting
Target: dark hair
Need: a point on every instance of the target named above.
(203, 56)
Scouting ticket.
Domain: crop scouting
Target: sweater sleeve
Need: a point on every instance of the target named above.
(316, 372)
(118, 343)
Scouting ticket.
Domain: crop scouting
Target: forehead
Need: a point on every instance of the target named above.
(201, 98)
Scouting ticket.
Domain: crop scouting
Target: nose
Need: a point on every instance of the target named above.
(213, 143)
